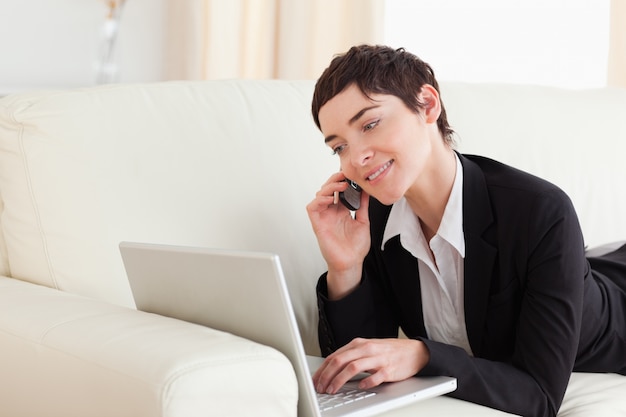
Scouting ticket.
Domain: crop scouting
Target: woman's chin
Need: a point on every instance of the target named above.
(387, 199)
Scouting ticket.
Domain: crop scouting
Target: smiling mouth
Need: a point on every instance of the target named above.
(380, 171)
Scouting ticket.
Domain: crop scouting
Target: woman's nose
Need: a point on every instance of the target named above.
(360, 154)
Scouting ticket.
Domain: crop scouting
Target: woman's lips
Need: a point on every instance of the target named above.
(379, 171)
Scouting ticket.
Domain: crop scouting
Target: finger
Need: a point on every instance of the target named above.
(352, 369)
(336, 177)
(341, 366)
(325, 197)
(374, 380)
(328, 370)
(319, 204)
(330, 193)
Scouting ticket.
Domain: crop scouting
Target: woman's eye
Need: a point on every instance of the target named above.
(338, 149)
(370, 125)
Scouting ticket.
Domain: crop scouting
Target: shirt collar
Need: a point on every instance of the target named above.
(403, 222)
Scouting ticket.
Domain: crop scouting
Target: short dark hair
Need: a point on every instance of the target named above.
(377, 69)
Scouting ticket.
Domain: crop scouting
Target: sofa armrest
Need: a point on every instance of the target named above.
(63, 354)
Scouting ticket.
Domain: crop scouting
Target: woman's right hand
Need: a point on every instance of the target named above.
(344, 241)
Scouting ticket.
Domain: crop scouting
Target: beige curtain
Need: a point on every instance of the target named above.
(617, 45)
(287, 39)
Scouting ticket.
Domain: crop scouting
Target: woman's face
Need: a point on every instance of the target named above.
(382, 145)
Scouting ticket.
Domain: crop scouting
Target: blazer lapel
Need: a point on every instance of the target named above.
(479, 255)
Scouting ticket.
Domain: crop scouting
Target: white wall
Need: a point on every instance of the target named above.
(561, 43)
(54, 43)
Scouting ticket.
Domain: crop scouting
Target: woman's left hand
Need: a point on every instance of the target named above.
(386, 360)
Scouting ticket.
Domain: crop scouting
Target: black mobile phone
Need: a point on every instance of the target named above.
(351, 197)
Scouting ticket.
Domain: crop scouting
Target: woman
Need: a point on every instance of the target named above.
(481, 265)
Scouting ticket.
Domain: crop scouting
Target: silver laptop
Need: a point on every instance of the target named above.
(245, 293)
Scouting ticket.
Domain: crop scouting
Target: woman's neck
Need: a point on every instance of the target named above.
(429, 196)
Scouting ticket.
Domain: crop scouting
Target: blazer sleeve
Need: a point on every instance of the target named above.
(366, 312)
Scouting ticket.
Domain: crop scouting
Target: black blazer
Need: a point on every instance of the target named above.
(530, 296)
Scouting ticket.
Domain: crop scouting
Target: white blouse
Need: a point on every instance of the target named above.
(440, 264)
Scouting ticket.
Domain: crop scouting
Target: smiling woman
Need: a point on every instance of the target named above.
(482, 265)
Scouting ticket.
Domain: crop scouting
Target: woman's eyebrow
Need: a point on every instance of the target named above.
(352, 120)
(360, 113)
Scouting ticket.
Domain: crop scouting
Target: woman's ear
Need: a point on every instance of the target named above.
(429, 97)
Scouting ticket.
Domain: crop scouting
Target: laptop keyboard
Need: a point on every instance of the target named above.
(343, 396)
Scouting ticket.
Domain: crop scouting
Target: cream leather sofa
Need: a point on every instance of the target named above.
(227, 164)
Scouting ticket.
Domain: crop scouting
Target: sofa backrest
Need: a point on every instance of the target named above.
(233, 164)
(573, 138)
(228, 164)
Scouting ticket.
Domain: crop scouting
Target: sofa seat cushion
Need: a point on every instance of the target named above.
(68, 355)
(592, 394)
